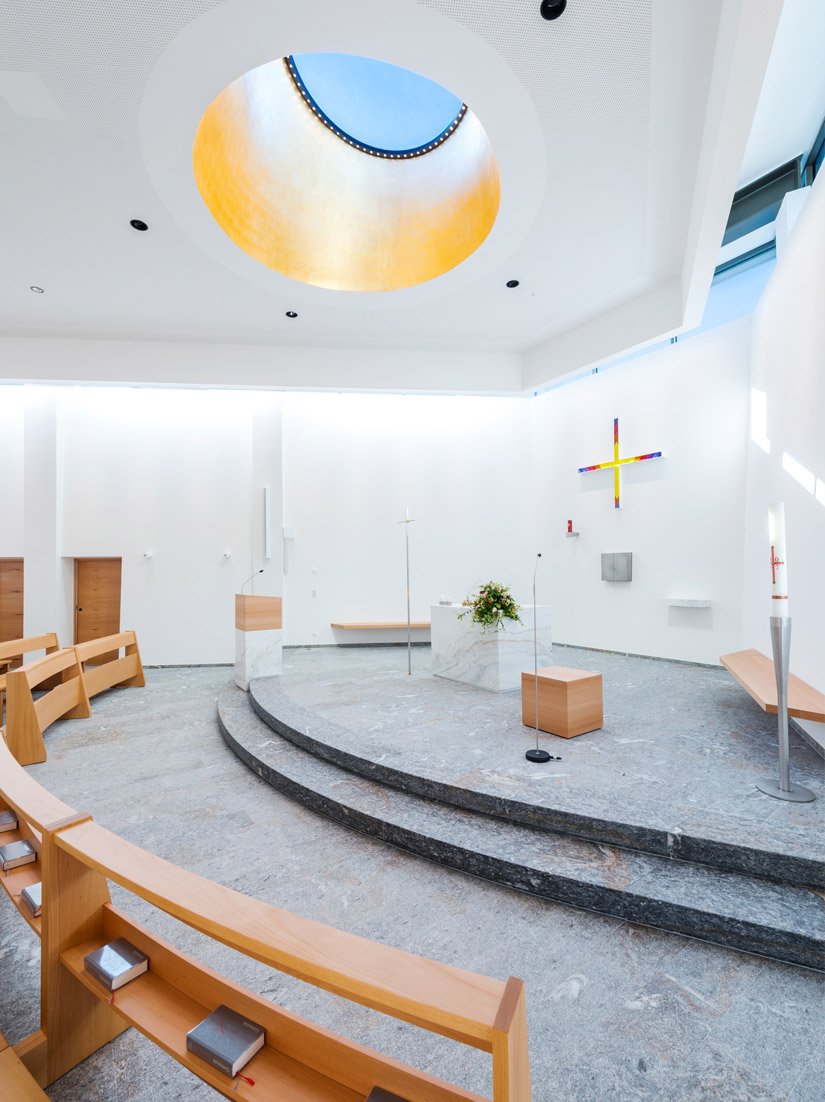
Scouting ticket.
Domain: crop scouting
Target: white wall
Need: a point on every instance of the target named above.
(352, 463)
(789, 365)
(11, 464)
(682, 516)
(169, 473)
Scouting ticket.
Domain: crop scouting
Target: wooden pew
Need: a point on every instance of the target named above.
(27, 718)
(755, 673)
(14, 649)
(300, 1059)
(126, 670)
(16, 1082)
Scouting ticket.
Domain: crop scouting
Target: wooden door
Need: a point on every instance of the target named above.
(97, 600)
(11, 599)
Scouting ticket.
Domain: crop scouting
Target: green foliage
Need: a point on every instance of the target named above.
(491, 606)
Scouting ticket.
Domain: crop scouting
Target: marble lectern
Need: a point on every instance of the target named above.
(495, 660)
(258, 637)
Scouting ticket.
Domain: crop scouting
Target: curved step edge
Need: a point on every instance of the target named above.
(772, 865)
(719, 929)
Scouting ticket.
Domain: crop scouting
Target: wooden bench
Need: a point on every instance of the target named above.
(389, 625)
(300, 1059)
(16, 1082)
(755, 673)
(27, 718)
(15, 649)
(125, 670)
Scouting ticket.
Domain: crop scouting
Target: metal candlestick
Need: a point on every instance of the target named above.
(783, 789)
(407, 521)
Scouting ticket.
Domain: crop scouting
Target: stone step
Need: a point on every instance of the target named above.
(742, 912)
(314, 733)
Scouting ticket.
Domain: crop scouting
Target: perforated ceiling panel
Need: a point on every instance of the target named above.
(94, 57)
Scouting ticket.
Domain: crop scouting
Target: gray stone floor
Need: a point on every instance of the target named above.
(681, 748)
(616, 1012)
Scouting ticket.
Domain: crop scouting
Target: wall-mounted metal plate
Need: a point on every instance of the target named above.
(617, 567)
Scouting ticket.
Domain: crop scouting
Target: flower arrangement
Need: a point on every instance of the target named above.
(491, 606)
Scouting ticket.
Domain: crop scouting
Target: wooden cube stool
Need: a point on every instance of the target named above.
(570, 701)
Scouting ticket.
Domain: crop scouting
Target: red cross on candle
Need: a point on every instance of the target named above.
(774, 563)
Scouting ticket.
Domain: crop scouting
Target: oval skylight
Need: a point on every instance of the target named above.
(376, 104)
(347, 173)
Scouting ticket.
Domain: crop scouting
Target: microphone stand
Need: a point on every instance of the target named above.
(251, 576)
(535, 754)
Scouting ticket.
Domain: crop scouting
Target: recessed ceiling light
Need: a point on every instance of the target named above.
(512, 283)
(552, 9)
(137, 224)
(291, 314)
(37, 290)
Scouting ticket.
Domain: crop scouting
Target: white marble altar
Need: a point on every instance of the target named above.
(257, 654)
(495, 660)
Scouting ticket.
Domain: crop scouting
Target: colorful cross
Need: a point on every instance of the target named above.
(617, 464)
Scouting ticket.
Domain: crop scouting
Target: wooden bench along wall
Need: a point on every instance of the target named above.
(77, 858)
(127, 670)
(755, 673)
(27, 718)
(13, 649)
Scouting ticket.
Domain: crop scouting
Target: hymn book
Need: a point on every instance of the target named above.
(17, 853)
(32, 898)
(8, 821)
(116, 964)
(226, 1040)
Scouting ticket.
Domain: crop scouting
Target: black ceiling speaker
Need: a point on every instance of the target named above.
(552, 9)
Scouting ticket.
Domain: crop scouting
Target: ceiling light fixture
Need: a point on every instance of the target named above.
(552, 9)
(291, 314)
(137, 224)
(512, 283)
(37, 290)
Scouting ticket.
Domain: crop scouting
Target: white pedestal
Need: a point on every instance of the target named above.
(495, 660)
(257, 654)
(258, 637)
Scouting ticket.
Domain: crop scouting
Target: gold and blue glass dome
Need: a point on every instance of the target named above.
(346, 172)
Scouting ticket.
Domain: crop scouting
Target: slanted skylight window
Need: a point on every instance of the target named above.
(375, 105)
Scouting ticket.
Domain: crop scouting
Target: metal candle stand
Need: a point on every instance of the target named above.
(783, 789)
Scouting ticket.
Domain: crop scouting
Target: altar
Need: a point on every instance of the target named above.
(495, 660)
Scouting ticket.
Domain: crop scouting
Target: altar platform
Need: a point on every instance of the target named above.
(655, 817)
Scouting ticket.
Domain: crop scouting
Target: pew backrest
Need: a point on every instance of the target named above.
(14, 649)
(118, 670)
(28, 717)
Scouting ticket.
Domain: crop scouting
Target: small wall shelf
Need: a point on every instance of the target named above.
(687, 602)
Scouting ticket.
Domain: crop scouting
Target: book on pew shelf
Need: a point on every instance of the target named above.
(378, 1094)
(17, 853)
(116, 963)
(32, 898)
(226, 1040)
(8, 821)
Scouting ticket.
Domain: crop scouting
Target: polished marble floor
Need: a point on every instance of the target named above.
(616, 1012)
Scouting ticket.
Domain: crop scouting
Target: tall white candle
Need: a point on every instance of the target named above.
(779, 559)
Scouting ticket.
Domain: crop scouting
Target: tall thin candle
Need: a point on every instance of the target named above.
(779, 559)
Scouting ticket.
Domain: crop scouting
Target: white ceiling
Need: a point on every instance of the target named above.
(620, 131)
